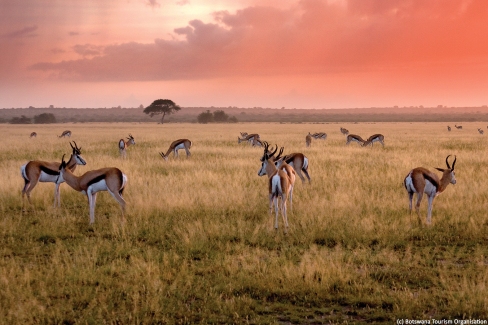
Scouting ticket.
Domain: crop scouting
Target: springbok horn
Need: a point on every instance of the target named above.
(447, 162)
(276, 149)
(72, 146)
(453, 163)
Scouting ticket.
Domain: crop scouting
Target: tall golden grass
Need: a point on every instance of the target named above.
(198, 244)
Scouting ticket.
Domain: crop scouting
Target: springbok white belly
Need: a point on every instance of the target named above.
(97, 187)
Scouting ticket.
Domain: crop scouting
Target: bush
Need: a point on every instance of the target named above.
(205, 117)
(20, 120)
(45, 118)
(217, 116)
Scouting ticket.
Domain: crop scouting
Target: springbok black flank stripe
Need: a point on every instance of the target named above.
(49, 171)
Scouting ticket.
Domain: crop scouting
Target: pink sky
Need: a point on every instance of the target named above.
(245, 53)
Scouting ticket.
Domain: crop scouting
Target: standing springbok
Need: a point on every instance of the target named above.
(375, 138)
(279, 187)
(458, 127)
(243, 134)
(480, 131)
(33, 135)
(124, 144)
(66, 133)
(420, 180)
(308, 140)
(319, 135)
(249, 138)
(448, 128)
(355, 138)
(41, 171)
(177, 145)
(298, 161)
(109, 179)
(344, 131)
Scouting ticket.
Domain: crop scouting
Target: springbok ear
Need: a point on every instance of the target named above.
(441, 169)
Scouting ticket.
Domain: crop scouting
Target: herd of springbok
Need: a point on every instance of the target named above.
(460, 127)
(281, 171)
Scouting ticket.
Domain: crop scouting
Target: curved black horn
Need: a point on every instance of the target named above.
(72, 146)
(447, 162)
(279, 153)
(76, 146)
(272, 154)
(453, 163)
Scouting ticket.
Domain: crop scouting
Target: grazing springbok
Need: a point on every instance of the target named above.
(308, 140)
(279, 186)
(177, 145)
(448, 128)
(421, 180)
(344, 131)
(355, 138)
(298, 161)
(249, 138)
(256, 142)
(480, 131)
(458, 127)
(319, 135)
(243, 134)
(66, 133)
(41, 171)
(375, 138)
(109, 179)
(124, 144)
(33, 135)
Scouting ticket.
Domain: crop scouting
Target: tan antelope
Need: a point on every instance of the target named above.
(375, 138)
(421, 180)
(243, 134)
(308, 140)
(177, 145)
(344, 131)
(319, 135)
(355, 138)
(249, 138)
(41, 171)
(33, 135)
(279, 187)
(458, 127)
(298, 161)
(256, 142)
(109, 179)
(124, 144)
(480, 131)
(448, 128)
(66, 133)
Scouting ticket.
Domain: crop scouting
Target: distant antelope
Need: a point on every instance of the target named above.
(420, 180)
(344, 131)
(256, 142)
(319, 135)
(177, 145)
(249, 138)
(109, 179)
(458, 127)
(41, 171)
(66, 133)
(243, 134)
(279, 188)
(355, 138)
(124, 144)
(308, 140)
(448, 128)
(374, 138)
(480, 131)
(297, 160)
(33, 135)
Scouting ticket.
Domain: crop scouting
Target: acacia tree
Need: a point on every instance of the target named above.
(162, 106)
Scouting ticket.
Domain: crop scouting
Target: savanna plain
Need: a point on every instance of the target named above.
(197, 244)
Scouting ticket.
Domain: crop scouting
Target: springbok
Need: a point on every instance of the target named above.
(355, 138)
(420, 180)
(256, 142)
(458, 127)
(375, 138)
(33, 135)
(448, 128)
(249, 138)
(279, 187)
(124, 144)
(109, 179)
(308, 140)
(243, 134)
(41, 171)
(319, 135)
(480, 131)
(297, 160)
(177, 145)
(344, 131)
(66, 133)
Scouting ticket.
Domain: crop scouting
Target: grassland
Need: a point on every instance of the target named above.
(198, 245)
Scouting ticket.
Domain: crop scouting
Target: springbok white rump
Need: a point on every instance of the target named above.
(66, 133)
(420, 180)
(375, 138)
(109, 179)
(279, 188)
(41, 171)
(177, 145)
(124, 144)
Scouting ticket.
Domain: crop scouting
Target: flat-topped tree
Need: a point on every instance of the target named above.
(162, 106)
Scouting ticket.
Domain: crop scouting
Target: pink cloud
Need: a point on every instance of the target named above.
(24, 32)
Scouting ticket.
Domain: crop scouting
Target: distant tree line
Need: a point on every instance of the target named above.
(218, 116)
(43, 118)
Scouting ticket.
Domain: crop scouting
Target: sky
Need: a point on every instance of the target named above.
(244, 53)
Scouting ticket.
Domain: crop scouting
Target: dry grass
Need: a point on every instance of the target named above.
(198, 244)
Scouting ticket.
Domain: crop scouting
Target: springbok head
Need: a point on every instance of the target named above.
(131, 139)
(449, 172)
(77, 154)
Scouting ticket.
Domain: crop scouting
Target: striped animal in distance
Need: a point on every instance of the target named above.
(375, 138)
(66, 133)
(41, 171)
(109, 179)
(308, 140)
(344, 131)
(480, 131)
(297, 160)
(354, 138)
(279, 187)
(421, 180)
(124, 144)
(177, 145)
(459, 127)
(249, 138)
(33, 135)
(448, 128)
